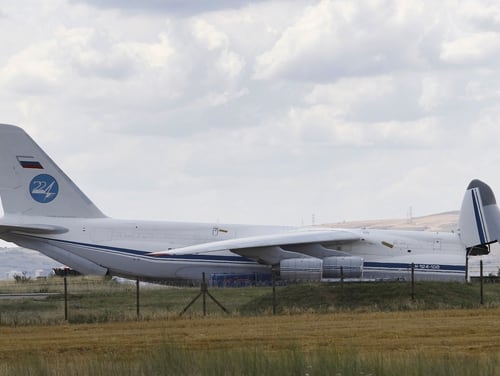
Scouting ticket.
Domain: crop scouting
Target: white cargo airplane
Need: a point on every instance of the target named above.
(45, 211)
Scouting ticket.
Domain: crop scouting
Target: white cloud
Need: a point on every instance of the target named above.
(230, 64)
(322, 125)
(474, 48)
(32, 71)
(314, 29)
(260, 112)
(434, 92)
(209, 35)
(347, 92)
(338, 38)
(483, 16)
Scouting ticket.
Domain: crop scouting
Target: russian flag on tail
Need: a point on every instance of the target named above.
(29, 162)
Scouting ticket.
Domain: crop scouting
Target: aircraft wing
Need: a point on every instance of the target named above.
(32, 228)
(270, 249)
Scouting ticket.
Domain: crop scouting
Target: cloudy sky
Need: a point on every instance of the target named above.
(259, 111)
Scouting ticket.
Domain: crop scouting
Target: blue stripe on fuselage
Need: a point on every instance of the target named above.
(129, 252)
(418, 266)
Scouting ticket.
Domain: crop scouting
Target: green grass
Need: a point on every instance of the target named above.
(387, 296)
(94, 300)
(170, 360)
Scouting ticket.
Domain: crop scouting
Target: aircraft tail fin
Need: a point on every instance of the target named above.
(31, 184)
(479, 220)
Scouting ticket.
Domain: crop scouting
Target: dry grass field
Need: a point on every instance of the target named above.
(431, 335)
(467, 332)
(365, 329)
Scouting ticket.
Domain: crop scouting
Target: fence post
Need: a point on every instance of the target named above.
(204, 291)
(467, 267)
(137, 299)
(342, 278)
(413, 281)
(481, 280)
(273, 274)
(65, 295)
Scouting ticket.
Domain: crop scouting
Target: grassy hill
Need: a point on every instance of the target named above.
(386, 296)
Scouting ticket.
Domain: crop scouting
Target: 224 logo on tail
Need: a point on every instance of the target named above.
(44, 188)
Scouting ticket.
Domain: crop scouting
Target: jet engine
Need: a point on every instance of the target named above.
(343, 266)
(314, 269)
(301, 269)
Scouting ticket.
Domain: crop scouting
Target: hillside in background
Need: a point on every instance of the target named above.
(446, 222)
(19, 261)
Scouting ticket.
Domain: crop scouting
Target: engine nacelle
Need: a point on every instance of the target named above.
(301, 269)
(343, 267)
(314, 269)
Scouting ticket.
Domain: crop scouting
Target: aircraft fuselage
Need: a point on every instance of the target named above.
(123, 247)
